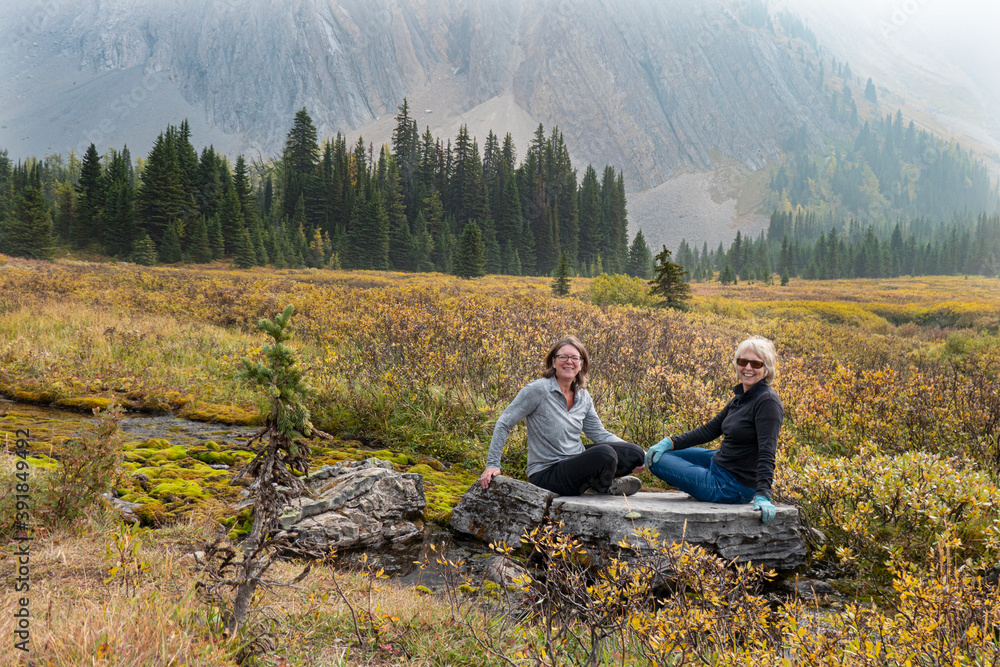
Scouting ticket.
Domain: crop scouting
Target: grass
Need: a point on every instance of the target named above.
(416, 368)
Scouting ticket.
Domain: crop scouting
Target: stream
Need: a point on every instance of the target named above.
(399, 562)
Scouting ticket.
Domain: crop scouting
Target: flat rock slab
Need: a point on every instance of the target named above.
(733, 532)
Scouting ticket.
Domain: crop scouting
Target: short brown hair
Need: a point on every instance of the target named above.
(580, 381)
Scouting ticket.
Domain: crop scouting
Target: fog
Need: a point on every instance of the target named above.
(940, 56)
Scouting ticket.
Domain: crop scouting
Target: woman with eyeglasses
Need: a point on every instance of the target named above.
(557, 409)
(742, 468)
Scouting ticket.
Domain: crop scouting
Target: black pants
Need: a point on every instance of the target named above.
(595, 468)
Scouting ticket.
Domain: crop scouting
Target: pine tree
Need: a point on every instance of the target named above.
(119, 205)
(560, 279)
(285, 454)
(162, 198)
(244, 256)
(171, 251)
(668, 282)
(144, 252)
(231, 221)
(28, 232)
(215, 240)
(199, 248)
(470, 262)
(90, 199)
(727, 276)
(640, 258)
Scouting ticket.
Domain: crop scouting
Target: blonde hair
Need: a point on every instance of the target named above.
(580, 381)
(764, 349)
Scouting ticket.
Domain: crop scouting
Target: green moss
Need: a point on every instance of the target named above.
(84, 402)
(175, 453)
(239, 525)
(177, 487)
(213, 458)
(152, 514)
(137, 497)
(43, 461)
(423, 590)
(156, 443)
(442, 490)
(221, 414)
(385, 454)
(213, 446)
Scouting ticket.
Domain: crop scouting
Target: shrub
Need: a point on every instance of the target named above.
(621, 290)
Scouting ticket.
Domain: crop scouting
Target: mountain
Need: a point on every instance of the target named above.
(687, 97)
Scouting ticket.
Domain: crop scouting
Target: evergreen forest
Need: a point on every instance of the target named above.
(896, 201)
(419, 204)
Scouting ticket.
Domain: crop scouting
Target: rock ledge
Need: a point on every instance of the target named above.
(733, 532)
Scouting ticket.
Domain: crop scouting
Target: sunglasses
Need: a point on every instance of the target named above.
(754, 364)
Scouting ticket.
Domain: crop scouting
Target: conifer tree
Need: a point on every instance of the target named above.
(90, 199)
(260, 246)
(668, 282)
(727, 276)
(67, 218)
(231, 220)
(470, 261)
(199, 248)
(215, 240)
(514, 265)
(491, 248)
(590, 217)
(28, 232)
(560, 279)
(119, 205)
(144, 253)
(171, 250)
(244, 256)
(640, 258)
(423, 245)
(162, 198)
(285, 453)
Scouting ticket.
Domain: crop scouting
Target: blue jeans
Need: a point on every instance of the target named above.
(693, 471)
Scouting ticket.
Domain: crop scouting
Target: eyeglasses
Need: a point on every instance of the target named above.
(754, 364)
(568, 357)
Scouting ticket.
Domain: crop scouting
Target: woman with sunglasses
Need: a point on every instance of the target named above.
(742, 468)
(557, 409)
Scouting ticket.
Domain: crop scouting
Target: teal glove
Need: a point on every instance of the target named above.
(656, 451)
(766, 507)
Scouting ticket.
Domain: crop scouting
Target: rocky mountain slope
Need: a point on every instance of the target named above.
(658, 88)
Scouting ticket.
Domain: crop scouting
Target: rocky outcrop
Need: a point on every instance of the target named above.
(364, 504)
(733, 532)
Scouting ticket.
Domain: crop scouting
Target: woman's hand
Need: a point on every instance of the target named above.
(656, 451)
(487, 477)
(766, 507)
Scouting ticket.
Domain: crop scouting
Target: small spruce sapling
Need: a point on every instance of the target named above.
(273, 469)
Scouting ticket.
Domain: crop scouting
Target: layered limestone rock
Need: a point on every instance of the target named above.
(733, 532)
(654, 88)
(365, 504)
